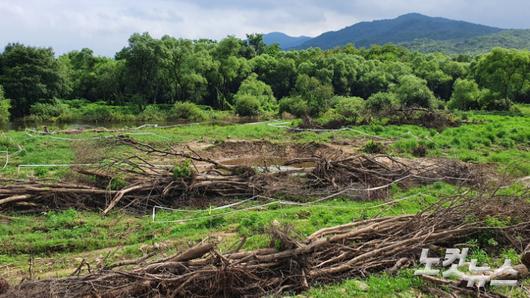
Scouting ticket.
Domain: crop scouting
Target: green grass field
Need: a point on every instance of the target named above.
(56, 242)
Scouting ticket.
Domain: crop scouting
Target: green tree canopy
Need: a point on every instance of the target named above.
(4, 108)
(261, 93)
(316, 93)
(505, 71)
(465, 95)
(29, 74)
(413, 92)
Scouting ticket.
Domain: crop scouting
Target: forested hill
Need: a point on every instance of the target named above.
(416, 32)
(283, 40)
(405, 28)
(516, 39)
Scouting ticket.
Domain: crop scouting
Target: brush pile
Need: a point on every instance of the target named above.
(196, 177)
(293, 265)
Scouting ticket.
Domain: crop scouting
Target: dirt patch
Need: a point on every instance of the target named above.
(260, 153)
(238, 169)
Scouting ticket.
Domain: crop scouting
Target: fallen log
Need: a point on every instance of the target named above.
(328, 255)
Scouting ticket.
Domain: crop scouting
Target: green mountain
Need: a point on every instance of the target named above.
(517, 39)
(285, 41)
(405, 28)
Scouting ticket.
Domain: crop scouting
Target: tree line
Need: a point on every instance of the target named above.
(252, 77)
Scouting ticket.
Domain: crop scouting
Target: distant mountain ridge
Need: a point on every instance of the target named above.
(285, 41)
(413, 30)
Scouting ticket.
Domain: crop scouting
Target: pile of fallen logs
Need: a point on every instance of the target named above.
(197, 177)
(293, 265)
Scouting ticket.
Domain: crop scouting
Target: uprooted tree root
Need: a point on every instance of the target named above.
(329, 255)
(369, 176)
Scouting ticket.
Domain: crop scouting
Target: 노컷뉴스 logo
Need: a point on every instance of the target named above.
(475, 276)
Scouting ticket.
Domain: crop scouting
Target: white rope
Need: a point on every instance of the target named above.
(273, 201)
(334, 195)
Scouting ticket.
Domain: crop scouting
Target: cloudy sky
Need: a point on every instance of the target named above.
(105, 25)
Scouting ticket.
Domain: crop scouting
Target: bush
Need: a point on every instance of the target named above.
(260, 91)
(347, 111)
(152, 113)
(492, 101)
(373, 147)
(413, 92)
(465, 95)
(4, 108)
(98, 113)
(182, 170)
(350, 107)
(188, 111)
(247, 105)
(55, 110)
(294, 105)
(381, 103)
(331, 119)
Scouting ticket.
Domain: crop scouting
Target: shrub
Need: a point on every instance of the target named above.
(349, 107)
(492, 101)
(247, 105)
(182, 170)
(98, 113)
(373, 147)
(413, 92)
(4, 108)
(465, 95)
(316, 93)
(54, 110)
(260, 91)
(294, 105)
(381, 103)
(188, 111)
(152, 113)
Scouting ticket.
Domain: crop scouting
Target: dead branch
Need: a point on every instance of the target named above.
(329, 255)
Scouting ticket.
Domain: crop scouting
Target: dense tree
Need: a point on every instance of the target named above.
(223, 73)
(256, 44)
(506, 72)
(254, 93)
(92, 77)
(29, 74)
(465, 95)
(143, 58)
(413, 92)
(277, 72)
(233, 69)
(428, 68)
(381, 103)
(316, 93)
(4, 108)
